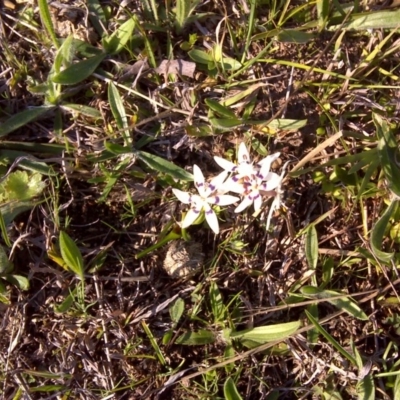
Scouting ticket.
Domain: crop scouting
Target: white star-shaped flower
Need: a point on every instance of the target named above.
(245, 167)
(253, 187)
(209, 193)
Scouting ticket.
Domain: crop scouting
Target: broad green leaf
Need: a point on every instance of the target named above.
(65, 54)
(230, 390)
(20, 185)
(22, 118)
(118, 110)
(200, 337)
(176, 310)
(371, 20)
(330, 339)
(312, 247)
(220, 109)
(114, 43)
(183, 8)
(230, 64)
(264, 334)
(82, 109)
(345, 303)
(287, 124)
(225, 123)
(78, 72)
(365, 388)
(200, 56)
(388, 150)
(378, 233)
(11, 209)
(6, 266)
(19, 281)
(71, 255)
(46, 19)
(160, 165)
(294, 36)
(97, 16)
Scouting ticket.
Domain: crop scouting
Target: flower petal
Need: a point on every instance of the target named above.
(272, 181)
(225, 164)
(223, 199)
(257, 203)
(269, 159)
(199, 180)
(212, 220)
(243, 154)
(184, 197)
(234, 186)
(246, 202)
(216, 183)
(190, 217)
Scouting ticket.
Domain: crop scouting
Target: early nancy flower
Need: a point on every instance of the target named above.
(254, 186)
(209, 193)
(245, 167)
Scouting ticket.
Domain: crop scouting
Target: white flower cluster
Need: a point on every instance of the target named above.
(248, 179)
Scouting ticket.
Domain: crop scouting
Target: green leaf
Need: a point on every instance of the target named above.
(71, 255)
(294, 36)
(183, 8)
(330, 339)
(78, 72)
(366, 388)
(388, 151)
(287, 124)
(160, 165)
(396, 388)
(220, 109)
(4, 233)
(371, 20)
(19, 281)
(226, 124)
(312, 247)
(20, 185)
(22, 118)
(114, 43)
(82, 109)
(26, 161)
(200, 56)
(176, 310)
(345, 303)
(264, 334)
(217, 304)
(378, 233)
(97, 16)
(11, 209)
(66, 304)
(230, 390)
(6, 266)
(118, 110)
(46, 19)
(200, 337)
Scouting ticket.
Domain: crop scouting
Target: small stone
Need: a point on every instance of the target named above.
(183, 259)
